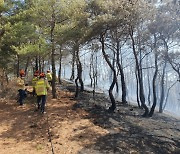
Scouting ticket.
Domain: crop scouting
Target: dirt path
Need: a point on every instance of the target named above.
(83, 126)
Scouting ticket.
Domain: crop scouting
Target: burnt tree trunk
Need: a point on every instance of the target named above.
(77, 87)
(154, 79)
(141, 89)
(162, 89)
(163, 75)
(167, 95)
(123, 83)
(91, 69)
(93, 72)
(79, 71)
(113, 64)
(149, 86)
(113, 106)
(137, 90)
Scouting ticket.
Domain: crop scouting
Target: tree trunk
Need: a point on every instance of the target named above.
(73, 62)
(113, 64)
(42, 64)
(53, 57)
(162, 89)
(39, 62)
(165, 102)
(27, 64)
(36, 64)
(79, 71)
(154, 82)
(141, 89)
(137, 90)
(96, 76)
(123, 83)
(90, 69)
(113, 106)
(60, 66)
(93, 73)
(77, 87)
(149, 87)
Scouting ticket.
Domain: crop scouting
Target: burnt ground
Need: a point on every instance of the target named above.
(83, 126)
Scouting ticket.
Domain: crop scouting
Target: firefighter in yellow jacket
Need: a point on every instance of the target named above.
(21, 87)
(41, 88)
(49, 77)
(34, 80)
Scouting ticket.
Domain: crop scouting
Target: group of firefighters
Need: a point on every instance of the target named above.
(41, 83)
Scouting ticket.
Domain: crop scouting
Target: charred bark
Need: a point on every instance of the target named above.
(123, 83)
(113, 102)
(139, 74)
(137, 89)
(162, 89)
(79, 72)
(154, 86)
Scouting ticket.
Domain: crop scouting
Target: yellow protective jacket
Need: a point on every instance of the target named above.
(20, 83)
(41, 87)
(34, 80)
(49, 76)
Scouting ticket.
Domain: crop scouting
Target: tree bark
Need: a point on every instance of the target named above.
(73, 63)
(90, 69)
(79, 72)
(149, 86)
(162, 89)
(39, 62)
(18, 65)
(123, 83)
(60, 66)
(139, 73)
(137, 89)
(77, 87)
(163, 75)
(53, 56)
(113, 106)
(42, 64)
(36, 64)
(27, 64)
(154, 82)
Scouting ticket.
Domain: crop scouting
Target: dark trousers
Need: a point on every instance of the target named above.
(41, 101)
(22, 96)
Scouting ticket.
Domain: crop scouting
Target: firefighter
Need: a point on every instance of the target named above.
(21, 87)
(41, 87)
(49, 77)
(34, 80)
